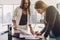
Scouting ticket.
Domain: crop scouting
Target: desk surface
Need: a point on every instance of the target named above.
(5, 37)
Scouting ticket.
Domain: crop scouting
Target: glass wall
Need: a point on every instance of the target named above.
(6, 12)
(1, 8)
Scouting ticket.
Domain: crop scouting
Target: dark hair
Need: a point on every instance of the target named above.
(22, 5)
(23, 2)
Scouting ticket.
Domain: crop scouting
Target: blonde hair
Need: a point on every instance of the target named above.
(40, 5)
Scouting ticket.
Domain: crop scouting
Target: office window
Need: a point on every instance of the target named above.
(7, 13)
(15, 6)
(0, 14)
(58, 7)
(1, 18)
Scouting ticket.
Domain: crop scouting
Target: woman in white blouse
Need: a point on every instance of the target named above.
(21, 17)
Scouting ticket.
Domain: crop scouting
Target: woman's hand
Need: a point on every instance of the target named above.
(39, 36)
(15, 28)
(31, 30)
(14, 24)
(36, 33)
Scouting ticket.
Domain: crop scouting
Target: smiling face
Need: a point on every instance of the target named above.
(26, 4)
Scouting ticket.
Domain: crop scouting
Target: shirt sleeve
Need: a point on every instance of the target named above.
(50, 18)
(14, 14)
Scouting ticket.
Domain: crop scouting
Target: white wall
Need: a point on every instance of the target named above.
(10, 1)
(49, 2)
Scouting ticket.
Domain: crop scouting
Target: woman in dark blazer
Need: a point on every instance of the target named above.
(52, 18)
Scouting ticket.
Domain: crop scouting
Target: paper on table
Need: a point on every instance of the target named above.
(25, 34)
(28, 36)
(21, 31)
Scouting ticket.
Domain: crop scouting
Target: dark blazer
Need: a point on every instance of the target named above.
(53, 22)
